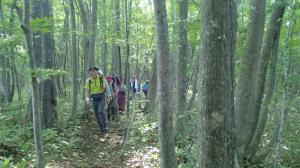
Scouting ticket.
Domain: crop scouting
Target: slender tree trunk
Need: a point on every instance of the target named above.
(37, 129)
(216, 105)
(86, 40)
(272, 34)
(246, 117)
(104, 37)
(74, 60)
(93, 33)
(116, 49)
(285, 93)
(152, 93)
(66, 39)
(194, 81)
(166, 135)
(48, 87)
(181, 86)
(127, 33)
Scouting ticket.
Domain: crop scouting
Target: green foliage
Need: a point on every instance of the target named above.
(44, 25)
(5, 163)
(48, 73)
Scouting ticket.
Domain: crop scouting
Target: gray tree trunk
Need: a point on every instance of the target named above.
(116, 49)
(286, 89)
(127, 33)
(216, 131)
(37, 129)
(181, 80)
(152, 93)
(74, 60)
(272, 34)
(165, 131)
(86, 40)
(246, 117)
(104, 37)
(194, 80)
(93, 32)
(48, 86)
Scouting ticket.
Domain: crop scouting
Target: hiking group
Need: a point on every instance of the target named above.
(107, 95)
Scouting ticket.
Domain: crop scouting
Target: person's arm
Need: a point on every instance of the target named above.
(87, 90)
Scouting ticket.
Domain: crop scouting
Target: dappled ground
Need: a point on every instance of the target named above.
(96, 150)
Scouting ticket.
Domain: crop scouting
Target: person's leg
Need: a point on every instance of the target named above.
(96, 111)
(103, 122)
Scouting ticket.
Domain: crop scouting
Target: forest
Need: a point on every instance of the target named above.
(149, 83)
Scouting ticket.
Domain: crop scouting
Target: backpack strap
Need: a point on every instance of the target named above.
(100, 82)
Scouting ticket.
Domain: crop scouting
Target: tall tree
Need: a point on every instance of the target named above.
(268, 49)
(104, 37)
(74, 59)
(166, 135)
(116, 48)
(86, 40)
(216, 100)
(37, 129)
(93, 32)
(246, 118)
(181, 80)
(48, 86)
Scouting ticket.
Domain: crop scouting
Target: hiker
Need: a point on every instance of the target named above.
(95, 87)
(112, 103)
(134, 84)
(121, 97)
(145, 88)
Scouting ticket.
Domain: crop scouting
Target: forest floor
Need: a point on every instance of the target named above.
(92, 149)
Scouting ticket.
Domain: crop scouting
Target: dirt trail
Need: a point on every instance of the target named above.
(94, 149)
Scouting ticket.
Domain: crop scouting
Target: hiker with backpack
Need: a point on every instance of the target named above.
(112, 106)
(145, 88)
(95, 88)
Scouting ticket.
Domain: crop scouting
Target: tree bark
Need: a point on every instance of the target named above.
(86, 40)
(152, 93)
(246, 117)
(166, 135)
(216, 131)
(93, 35)
(74, 60)
(116, 48)
(285, 92)
(272, 34)
(37, 129)
(104, 38)
(181, 80)
(48, 86)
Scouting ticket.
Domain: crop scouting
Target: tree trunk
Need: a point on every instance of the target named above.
(181, 80)
(104, 38)
(127, 33)
(48, 85)
(166, 135)
(285, 93)
(152, 88)
(85, 42)
(116, 49)
(246, 117)
(34, 87)
(216, 100)
(272, 34)
(93, 35)
(74, 60)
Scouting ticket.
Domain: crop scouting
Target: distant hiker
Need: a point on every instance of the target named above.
(95, 87)
(145, 88)
(122, 97)
(134, 84)
(112, 106)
